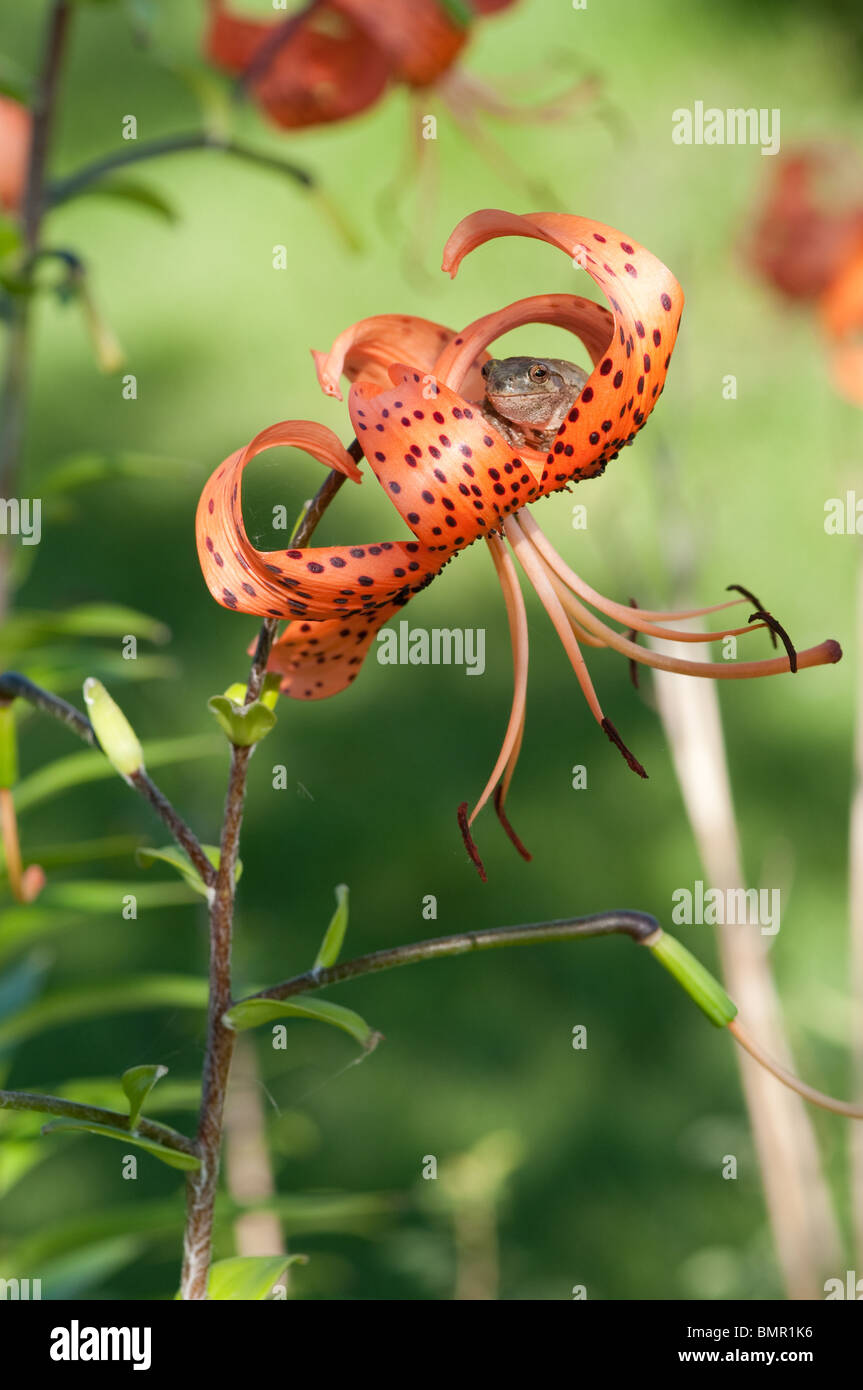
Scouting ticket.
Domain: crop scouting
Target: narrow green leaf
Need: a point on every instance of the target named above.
(335, 933)
(8, 747)
(250, 1278)
(169, 854)
(131, 191)
(249, 1013)
(33, 628)
(108, 997)
(698, 982)
(243, 724)
(83, 469)
(138, 1082)
(174, 1158)
(78, 768)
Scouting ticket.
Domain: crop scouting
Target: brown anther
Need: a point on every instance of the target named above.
(618, 742)
(469, 842)
(501, 815)
(777, 630)
(747, 593)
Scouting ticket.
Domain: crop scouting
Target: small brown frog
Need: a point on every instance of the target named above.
(527, 398)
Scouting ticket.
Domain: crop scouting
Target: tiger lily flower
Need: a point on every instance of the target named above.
(454, 479)
(336, 58)
(808, 243)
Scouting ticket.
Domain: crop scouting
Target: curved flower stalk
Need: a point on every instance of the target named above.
(808, 243)
(15, 133)
(415, 406)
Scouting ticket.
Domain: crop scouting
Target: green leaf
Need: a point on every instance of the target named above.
(173, 1157)
(698, 982)
(248, 1277)
(249, 1013)
(25, 630)
(78, 768)
(184, 866)
(8, 747)
(10, 233)
(72, 1275)
(244, 724)
(101, 895)
(129, 191)
(138, 1082)
(80, 851)
(335, 933)
(81, 470)
(108, 997)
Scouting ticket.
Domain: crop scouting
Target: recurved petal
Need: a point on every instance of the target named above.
(317, 660)
(237, 574)
(369, 348)
(421, 38)
(446, 471)
(326, 69)
(589, 321)
(646, 301)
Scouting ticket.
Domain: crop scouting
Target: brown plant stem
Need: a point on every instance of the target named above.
(636, 925)
(202, 1187)
(13, 397)
(61, 190)
(73, 1109)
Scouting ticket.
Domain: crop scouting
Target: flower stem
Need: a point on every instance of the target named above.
(61, 190)
(58, 1105)
(14, 391)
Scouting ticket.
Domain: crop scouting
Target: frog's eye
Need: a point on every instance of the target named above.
(538, 373)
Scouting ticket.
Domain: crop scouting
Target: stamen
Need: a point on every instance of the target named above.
(501, 815)
(633, 637)
(631, 760)
(777, 630)
(517, 618)
(645, 619)
(469, 844)
(747, 593)
(826, 653)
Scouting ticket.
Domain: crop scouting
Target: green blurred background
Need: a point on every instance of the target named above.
(617, 1186)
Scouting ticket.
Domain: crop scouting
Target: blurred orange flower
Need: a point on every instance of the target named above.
(15, 128)
(808, 243)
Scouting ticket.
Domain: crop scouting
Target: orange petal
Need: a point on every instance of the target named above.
(321, 659)
(842, 319)
(368, 349)
(419, 37)
(449, 474)
(15, 130)
(327, 69)
(646, 301)
(589, 321)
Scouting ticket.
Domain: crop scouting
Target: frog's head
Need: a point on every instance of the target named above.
(532, 390)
